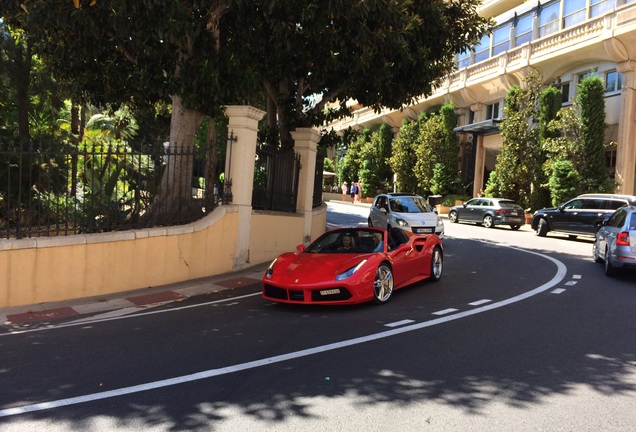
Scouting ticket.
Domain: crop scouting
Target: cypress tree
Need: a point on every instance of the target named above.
(591, 101)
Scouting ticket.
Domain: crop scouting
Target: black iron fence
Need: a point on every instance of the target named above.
(276, 178)
(54, 189)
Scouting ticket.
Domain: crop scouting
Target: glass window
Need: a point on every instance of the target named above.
(618, 218)
(492, 111)
(564, 88)
(501, 39)
(549, 19)
(574, 12)
(599, 7)
(482, 50)
(587, 75)
(613, 81)
(463, 60)
(523, 29)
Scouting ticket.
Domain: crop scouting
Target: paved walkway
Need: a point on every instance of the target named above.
(127, 302)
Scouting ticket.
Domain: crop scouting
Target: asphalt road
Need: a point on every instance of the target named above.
(521, 334)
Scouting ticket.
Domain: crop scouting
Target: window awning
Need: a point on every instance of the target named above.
(491, 125)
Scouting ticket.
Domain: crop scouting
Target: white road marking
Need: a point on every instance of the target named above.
(558, 291)
(399, 323)
(570, 283)
(444, 312)
(556, 279)
(576, 276)
(103, 317)
(480, 302)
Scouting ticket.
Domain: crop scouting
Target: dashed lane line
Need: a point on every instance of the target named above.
(558, 277)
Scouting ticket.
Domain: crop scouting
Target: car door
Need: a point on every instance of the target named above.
(585, 221)
(562, 219)
(409, 261)
(467, 211)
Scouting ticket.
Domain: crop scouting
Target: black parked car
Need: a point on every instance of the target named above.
(582, 215)
(489, 212)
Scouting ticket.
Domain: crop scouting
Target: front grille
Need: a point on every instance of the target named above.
(275, 292)
(296, 295)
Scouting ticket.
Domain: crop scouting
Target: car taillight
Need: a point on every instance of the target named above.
(622, 239)
(500, 211)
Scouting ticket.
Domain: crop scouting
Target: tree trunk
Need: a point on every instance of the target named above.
(174, 201)
(211, 161)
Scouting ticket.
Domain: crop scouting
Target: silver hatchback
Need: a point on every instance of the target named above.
(615, 242)
(409, 212)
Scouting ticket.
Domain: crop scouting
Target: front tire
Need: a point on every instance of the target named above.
(488, 222)
(383, 284)
(542, 228)
(437, 264)
(452, 216)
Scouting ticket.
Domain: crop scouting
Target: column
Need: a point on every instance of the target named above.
(306, 144)
(626, 149)
(239, 169)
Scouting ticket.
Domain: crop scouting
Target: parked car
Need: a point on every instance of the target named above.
(615, 241)
(582, 215)
(409, 212)
(489, 212)
(353, 265)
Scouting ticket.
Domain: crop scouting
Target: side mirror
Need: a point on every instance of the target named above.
(435, 210)
(382, 210)
(300, 248)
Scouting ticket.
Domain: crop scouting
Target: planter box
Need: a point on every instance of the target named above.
(442, 209)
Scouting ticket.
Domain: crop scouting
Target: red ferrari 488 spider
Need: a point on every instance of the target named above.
(353, 265)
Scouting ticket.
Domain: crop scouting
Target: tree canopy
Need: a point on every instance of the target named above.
(298, 55)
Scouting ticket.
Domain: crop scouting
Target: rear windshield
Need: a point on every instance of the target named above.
(509, 204)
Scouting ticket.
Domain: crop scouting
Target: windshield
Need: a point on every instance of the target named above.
(348, 241)
(409, 205)
(509, 204)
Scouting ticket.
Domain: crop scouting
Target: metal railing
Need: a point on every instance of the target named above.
(53, 189)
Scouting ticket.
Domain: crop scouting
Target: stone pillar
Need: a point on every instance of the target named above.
(306, 143)
(626, 150)
(239, 169)
(480, 162)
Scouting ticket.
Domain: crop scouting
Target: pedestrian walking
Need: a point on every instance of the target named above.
(352, 192)
(358, 191)
(344, 191)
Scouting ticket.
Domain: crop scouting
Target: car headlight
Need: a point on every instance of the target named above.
(270, 269)
(350, 272)
(401, 222)
(440, 223)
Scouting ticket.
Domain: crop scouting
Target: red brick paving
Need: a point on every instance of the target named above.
(39, 316)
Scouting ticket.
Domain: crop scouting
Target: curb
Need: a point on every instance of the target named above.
(123, 303)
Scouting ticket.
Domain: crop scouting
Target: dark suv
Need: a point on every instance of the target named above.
(582, 215)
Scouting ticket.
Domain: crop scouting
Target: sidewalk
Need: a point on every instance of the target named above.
(123, 303)
(127, 302)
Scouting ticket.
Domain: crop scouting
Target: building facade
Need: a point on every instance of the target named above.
(566, 41)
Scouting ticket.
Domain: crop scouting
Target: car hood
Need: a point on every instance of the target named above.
(547, 210)
(424, 218)
(299, 268)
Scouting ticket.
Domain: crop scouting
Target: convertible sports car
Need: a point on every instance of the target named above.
(353, 265)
